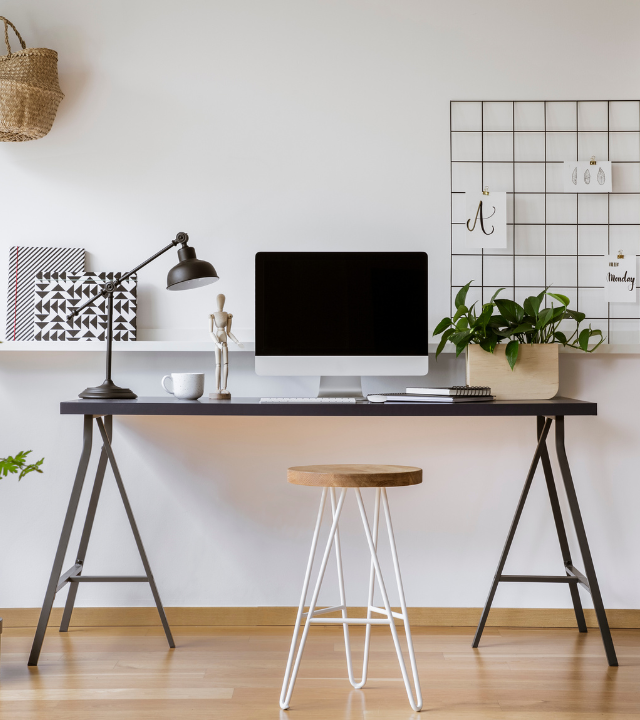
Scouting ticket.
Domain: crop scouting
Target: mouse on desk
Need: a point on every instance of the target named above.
(376, 398)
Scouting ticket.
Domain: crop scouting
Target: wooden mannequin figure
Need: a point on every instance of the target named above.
(220, 330)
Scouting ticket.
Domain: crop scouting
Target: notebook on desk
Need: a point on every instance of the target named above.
(453, 391)
(412, 397)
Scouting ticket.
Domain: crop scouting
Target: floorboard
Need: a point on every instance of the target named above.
(234, 673)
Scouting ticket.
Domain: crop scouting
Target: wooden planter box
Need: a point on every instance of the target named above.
(536, 375)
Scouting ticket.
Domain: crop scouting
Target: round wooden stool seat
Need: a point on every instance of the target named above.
(354, 475)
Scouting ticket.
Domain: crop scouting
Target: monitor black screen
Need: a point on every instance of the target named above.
(333, 303)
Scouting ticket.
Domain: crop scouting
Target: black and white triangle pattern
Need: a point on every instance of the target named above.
(56, 294)
(24, 263)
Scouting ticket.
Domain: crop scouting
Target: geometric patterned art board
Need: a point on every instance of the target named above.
(57, 293)
(24, 263)
(554, 238)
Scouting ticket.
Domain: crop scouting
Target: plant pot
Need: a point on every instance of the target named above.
(536, 375)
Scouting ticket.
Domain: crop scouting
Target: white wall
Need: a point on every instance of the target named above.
(292, 125)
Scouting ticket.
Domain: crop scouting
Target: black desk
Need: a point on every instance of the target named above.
(545, 412)
(253, 406)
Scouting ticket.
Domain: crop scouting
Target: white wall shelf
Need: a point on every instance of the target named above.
(138, 346)
(208, 346)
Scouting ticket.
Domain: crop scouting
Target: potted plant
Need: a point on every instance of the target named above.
(526, 366)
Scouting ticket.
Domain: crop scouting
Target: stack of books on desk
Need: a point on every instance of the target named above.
(455, 394)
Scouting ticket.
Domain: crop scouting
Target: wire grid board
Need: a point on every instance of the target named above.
(554, 238)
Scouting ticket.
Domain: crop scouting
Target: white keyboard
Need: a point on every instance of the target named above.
(307, 400)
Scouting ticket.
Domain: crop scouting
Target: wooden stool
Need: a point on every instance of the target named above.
(329, 477)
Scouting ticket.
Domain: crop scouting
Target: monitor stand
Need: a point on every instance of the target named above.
(341, 386)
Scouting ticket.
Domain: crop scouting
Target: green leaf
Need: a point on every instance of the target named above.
(593, 333)
(463, 324)
(485, 316)
(560, 298)
(510, 310)
(489, 345)
(524, 328)
(495, 294)
(461, 340)
(544, 318)
(585, 335)
(575, 315)
(19, 462)
(560, 337)
(35, 467)
(443, 341)
(462, 295)
(461, 337)
(497, 321)
(461, 346)
(442, 325)
(462, 309)
(532, 306)
(583, 339)
(512, 353)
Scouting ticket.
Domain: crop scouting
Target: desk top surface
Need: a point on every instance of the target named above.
(253, 406)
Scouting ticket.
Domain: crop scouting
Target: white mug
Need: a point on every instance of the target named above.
(186, 386)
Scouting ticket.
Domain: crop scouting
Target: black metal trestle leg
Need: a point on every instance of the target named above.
(74, 576)
(514, 526)
(591, 581)
(86, 531)
(562, 533)
(63, 543)
(136, 533)
(572, 577)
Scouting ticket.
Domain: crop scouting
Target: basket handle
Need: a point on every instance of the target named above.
(6, 34)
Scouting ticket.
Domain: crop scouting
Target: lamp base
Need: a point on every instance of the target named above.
(107, 391)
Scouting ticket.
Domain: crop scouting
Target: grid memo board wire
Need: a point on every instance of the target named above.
(555, 238)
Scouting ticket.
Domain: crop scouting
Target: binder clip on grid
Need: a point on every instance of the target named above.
(619, 256)
(600, 175)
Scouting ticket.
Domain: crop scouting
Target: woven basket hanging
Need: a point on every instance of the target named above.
(29, 90)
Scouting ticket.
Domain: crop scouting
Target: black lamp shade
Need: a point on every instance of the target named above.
(190, 272)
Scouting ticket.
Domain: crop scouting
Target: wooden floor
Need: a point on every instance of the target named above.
(235, 673)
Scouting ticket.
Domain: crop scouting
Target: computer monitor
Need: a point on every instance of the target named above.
(341, 315)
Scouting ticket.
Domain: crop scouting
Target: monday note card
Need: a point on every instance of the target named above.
(620, 279)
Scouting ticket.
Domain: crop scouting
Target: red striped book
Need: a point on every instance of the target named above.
(24, 263)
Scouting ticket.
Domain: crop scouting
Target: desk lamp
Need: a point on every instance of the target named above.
(187, 274)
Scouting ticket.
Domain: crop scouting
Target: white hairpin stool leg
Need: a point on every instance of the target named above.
(303, 598)
(403, 604)
(367, 637)
(285, 696)
(343, 597)
(416, 706)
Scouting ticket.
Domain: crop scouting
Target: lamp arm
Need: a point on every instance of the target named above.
(181, 238)
(126, 276)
